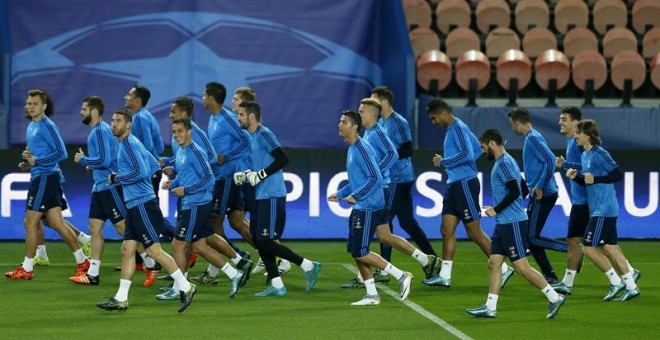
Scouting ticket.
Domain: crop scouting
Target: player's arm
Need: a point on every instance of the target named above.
(512, 194)
(465, 152)
(103, 158)
(236, 132)
(203, 171)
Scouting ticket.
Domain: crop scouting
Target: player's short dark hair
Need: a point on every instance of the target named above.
(187, 123)
(573, 111)
(491, 135)
(143, 93)
(252, 108)
(590, 128)
(519, 114)
(217, 91)
(185, 104)
(354, 117)
(437, 105)
(95, 102)
(124, 111)
(384, 92)
(373, 102)
(45, 98)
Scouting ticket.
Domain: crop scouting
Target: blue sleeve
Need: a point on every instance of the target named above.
(465, 152)
(235, 131)
(402, 131)
(391, 155)
(174, 183)
(206, 144)
(545, 157)
(606, 161)
(344, 192)
(202, 169)
(138, 168)
(59, 152)
(366, 165)
(101, 145)
(507, 172)
(142, 132)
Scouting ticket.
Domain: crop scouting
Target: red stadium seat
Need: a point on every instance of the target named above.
(655, 71)
(500, 40)
(571, 12)
(472, 65)
(460, 40)
(423, 39)
(609, 13)
(618, 39)
(651, 43)
(589, 65)
(452, 13)
(417, 12)
(645, 13)
(513, 64)
(538, 40)
(578, 40)
(531, 12)
(552, 64)
(628, 65)
(433, 65)
(492, 13)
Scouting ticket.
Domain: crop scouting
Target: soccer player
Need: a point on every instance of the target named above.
(509, 237)
(231, 145)
(402, 176)
(107, 199)
(599, 173)
(386, 156)
(194, 185)
(539, 163)
(45, 149)
(269, 215)
(365, 192)
(144, 220)
(461, 201)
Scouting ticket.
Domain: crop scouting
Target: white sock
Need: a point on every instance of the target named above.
(83, 238)
(122, 293)
(229, 270)
(550, 293)
(80, 256)
(94, 267)
(371, 286)
(180, 280)
(630, 267)
(505, 267)
(614, 278)
(491, 301)
(277, 282)
(235, 260)
(41, 251)
(420, 257)
(445, 270)
(28, 264)
(569, 277)
(148, 261)
(360, 276)
(212, 270)
(306, 265)
(628, 280)
(394, 271)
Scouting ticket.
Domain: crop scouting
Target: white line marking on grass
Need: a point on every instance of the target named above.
(417, 308)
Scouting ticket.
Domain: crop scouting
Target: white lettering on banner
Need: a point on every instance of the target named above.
(333, 187)
(296, 186)
(164, 198)
(9, 195)
(629, 195)
(314, 193)
(430, 193)
(563, 199)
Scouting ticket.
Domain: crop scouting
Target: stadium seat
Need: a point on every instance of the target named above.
(434, 65)
(472, 65)
(500, 40)
(609, 13)
(531, 13)
(655, 71)
(589, 65)
(452, 13)
(618, 39)
(460, 40)
(423, 39)
(645, 13)
(571, 13)
(552, 64)
(651, 43)
(513, 64)
(418, 13)
(538, 40)
(492, 13)
(628, 65)
(578, 40)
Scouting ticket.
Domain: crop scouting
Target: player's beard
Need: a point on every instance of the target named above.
(87, 120)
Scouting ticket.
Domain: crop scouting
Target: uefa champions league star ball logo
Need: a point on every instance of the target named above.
(190, 54)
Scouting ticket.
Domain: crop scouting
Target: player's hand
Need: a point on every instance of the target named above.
(80, 154)
(168, 171)
(255, 177)
(490, 211)
(180, 191)
(333, 198)
(571, 173)
(24, 166)
(559, 161)
(221, 159)
(436, 160)
(350, 199)
(588, 178)
(111, 178)
(537, 193)
(166, 185)
(28, 157)
(241, 176)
